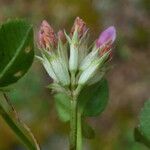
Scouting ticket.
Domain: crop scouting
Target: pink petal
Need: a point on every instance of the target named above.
(108, 35)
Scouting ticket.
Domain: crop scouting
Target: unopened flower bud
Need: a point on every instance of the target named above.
(108, 36)
(81, 27)
(105, 40)
(61, 36)
(46, 36)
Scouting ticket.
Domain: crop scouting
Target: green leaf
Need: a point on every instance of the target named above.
(139, 137)
(93, 99)
(16, 50)
(87, 130)
(142, 133)
(62, 103)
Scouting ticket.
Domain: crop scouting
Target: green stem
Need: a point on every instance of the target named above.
(73, 124)
(79, 131)
(11, 123)
(73, 80)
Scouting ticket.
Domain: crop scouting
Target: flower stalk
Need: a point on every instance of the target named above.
(73, 124)
(79, 130)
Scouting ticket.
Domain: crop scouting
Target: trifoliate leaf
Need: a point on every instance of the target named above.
(16, 50)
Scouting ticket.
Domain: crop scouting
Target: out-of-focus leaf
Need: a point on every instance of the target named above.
(62, 103)
(16, 50)
(139, 137)
(93, 99)
(142, 133)
(87, 131)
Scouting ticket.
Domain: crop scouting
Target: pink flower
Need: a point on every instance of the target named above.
(81, 27)
(105, 40)
(107, 36)
(46, 36)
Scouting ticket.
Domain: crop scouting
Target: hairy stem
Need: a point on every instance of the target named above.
(73, 124)
(79, 131)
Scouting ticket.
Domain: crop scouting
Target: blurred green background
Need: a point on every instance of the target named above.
(129, 79)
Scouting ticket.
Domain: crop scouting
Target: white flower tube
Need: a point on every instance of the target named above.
(92, 69)
(73, 60)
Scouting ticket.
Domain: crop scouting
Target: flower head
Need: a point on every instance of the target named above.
(81, 27)
(46, 36)
(74, 63)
